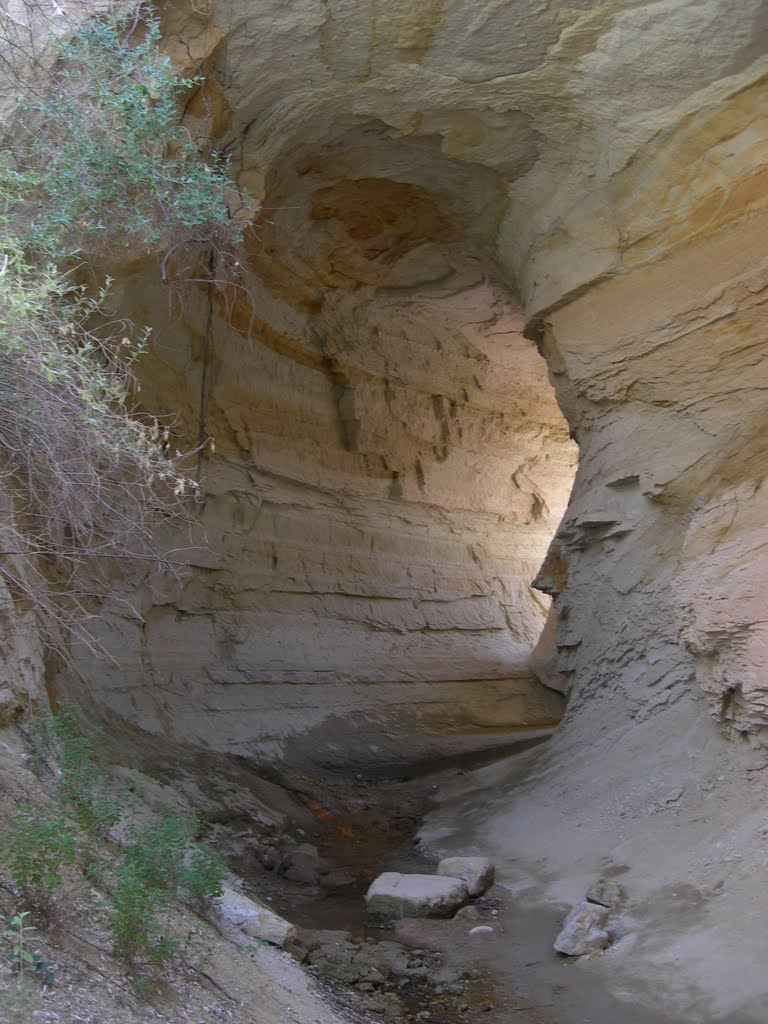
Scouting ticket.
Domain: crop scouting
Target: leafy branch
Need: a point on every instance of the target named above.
(96, 169)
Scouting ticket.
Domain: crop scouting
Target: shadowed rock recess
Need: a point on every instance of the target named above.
(489, 232)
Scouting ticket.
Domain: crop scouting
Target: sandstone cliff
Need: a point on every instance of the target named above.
(485, 229)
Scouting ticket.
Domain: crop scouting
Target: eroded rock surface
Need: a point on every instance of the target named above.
(242, 919)
(390, 459)
(440, 184)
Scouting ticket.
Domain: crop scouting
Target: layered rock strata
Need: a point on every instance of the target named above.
(386, 478)
(390, 461)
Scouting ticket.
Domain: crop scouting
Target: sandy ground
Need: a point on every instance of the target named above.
(670, 808)
(520, 980)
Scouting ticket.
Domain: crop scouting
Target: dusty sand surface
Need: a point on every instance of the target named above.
(510, 977)
(665, 807)
(520, 979)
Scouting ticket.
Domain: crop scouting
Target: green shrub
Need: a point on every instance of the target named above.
(38, 846)
(204, 877)
(157, 852)
(164, 852)
(83, 786)
(120, 172)
(162, 866)
(23, 957)
(96, 166)
(134, 922)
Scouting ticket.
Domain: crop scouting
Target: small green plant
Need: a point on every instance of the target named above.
(83, 786)
(96, 167)
(157, 852)
(162, 866)
(204, 876)
(134, 925)
(85, 793)
(38, 846)
(23, 958)
(165, 854)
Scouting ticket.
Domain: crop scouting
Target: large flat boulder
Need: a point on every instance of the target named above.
(394, 895)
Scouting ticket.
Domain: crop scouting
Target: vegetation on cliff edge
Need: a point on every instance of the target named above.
(96, 168)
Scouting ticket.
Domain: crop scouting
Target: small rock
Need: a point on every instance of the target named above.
(394, 895)
(606, 892)
(387, 958)
(302, 864)
(447, 976)
(335, 953)
(468, 913)
(481, 929)
(270, 858)
(238, 913)
(384, 1002)
(346, 974)
(583, 931)
(477, 872)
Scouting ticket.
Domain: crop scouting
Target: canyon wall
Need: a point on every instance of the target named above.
(487, 232)
(385, 478)
(464, 206)
(390, 461)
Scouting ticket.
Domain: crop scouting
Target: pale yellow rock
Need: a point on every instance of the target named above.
(440, 184)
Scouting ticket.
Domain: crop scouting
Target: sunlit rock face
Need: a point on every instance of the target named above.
(390, 461)
(388, 472)
(658, 576)
(667, 509)
(440, 183)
